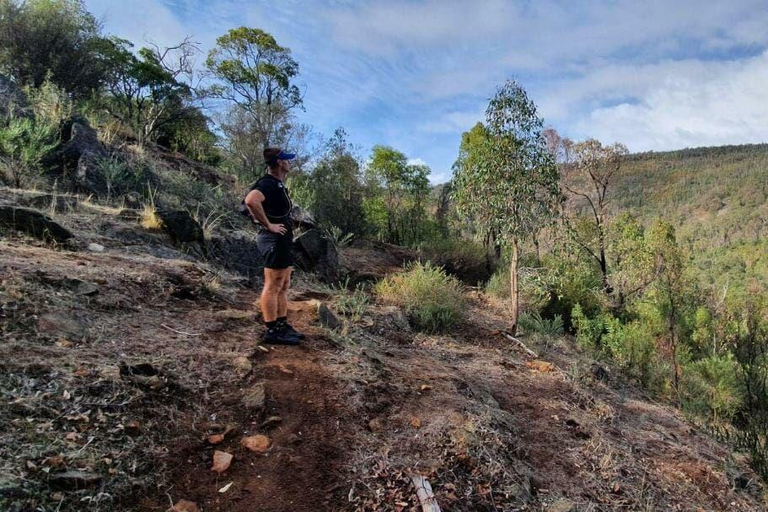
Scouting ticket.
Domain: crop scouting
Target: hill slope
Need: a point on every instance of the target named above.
(718, 199)
(117, 366)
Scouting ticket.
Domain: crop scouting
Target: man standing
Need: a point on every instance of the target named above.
(270, 205)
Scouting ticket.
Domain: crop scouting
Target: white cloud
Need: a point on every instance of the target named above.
(140, 21)
(452, 122)
(694, 105)
(385, 27)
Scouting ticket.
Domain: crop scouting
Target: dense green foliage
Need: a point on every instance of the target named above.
(58, 40)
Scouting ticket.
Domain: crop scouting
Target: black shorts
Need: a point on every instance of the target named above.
(275, 249)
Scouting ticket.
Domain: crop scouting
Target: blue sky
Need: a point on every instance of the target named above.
(654, 75)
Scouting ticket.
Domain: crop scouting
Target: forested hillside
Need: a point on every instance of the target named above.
(716, 197)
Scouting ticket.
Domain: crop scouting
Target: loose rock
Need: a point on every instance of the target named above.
(540, 366)
(221, 461)
(215, 439)
(253, 398)
(257, 444)
(61, 326)
(326, 317)
(242, 365)
(185, 506)
(95, 248)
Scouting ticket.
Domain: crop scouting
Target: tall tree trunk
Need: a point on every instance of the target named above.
(514, 290)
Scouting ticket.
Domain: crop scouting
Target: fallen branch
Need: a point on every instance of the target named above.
(180, 332)
(424, 493)
(522, 345)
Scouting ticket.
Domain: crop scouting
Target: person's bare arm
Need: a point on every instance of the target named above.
(253, 202)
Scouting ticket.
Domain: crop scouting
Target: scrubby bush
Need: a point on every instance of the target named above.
(23, 145)
(352, 304)
(466, 259)
(498, 284)
(589, 331)
(432, 299)
(632, 346)
(634, 349)
(710, 388)
(126, 176)
(570, 283)
(535, 291)
(533, 322)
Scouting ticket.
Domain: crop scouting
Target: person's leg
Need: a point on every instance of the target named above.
(273, 284)
(282, 298)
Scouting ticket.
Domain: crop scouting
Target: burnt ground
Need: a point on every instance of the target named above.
(116, 367)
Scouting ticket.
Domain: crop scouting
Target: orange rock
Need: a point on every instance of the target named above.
(185, 506)
(216, 439)
(416, 422)
(221, 461)
(258, 443)
(540, 366)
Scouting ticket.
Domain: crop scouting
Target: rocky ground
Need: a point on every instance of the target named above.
(131, 378)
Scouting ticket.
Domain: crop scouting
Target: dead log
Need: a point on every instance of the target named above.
(522, 345)
(424, 493)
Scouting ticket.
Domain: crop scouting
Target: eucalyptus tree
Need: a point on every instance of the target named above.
(588, 180)
(506, 180)
(257, 76)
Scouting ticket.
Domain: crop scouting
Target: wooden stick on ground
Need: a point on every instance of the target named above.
(529, 351)
(179, 332)
(424, 493)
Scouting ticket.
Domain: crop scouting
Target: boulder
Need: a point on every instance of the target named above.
(326, 317)
(181, 227)
(315, 252)
(34, 223)
(82, 152)
(302, 218)
(237, 251)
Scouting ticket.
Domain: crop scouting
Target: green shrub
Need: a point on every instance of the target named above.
(432, 299)
(124, 177)
(466, 259)
(23, 145)
(498, 284)
(710, 388)
(634, 349)
(352, 304)
(571, 282)
(533, 322)
(589, 331)
(340, 239)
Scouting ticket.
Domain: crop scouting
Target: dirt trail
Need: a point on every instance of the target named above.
(304, 466)
(360, 408)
